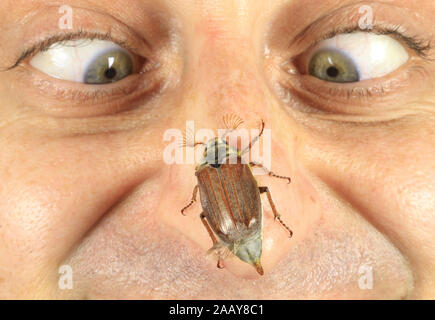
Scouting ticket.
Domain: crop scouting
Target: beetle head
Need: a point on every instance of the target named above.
(216, 152)
(250, 251)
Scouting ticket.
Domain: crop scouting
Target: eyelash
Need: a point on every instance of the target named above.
(420, 46)
(68, 36)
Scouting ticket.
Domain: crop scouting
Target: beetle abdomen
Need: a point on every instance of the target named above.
(231, 200)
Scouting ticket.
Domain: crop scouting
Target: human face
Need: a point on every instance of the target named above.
(85, 183)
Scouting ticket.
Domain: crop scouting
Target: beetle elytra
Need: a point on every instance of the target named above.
(230, 198)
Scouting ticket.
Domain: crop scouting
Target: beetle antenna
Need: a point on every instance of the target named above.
(231, 121)
(188, 140)
(255, 139)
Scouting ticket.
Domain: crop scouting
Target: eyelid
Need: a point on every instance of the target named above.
(419, 46)
(66, 36)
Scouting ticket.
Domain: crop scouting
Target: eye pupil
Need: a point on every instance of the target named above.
(332, 72)
(110, 73)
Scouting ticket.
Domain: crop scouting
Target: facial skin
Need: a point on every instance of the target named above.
(84, 184)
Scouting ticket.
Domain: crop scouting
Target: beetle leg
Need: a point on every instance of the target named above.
(194, 193)
(275, 212)
(270, 173)
(212, 236)
(219, 264)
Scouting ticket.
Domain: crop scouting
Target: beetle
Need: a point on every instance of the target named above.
(230, 198)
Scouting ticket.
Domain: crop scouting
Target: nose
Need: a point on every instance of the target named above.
(225, 76)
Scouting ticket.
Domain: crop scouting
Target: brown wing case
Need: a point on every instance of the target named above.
(230, 199)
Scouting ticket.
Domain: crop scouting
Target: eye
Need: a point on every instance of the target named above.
(86, 61)
(356, 56)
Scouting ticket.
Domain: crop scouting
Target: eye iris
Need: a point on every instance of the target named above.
(331, 65)
(109, 67)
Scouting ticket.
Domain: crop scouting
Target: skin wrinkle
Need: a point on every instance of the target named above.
(382, 119)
